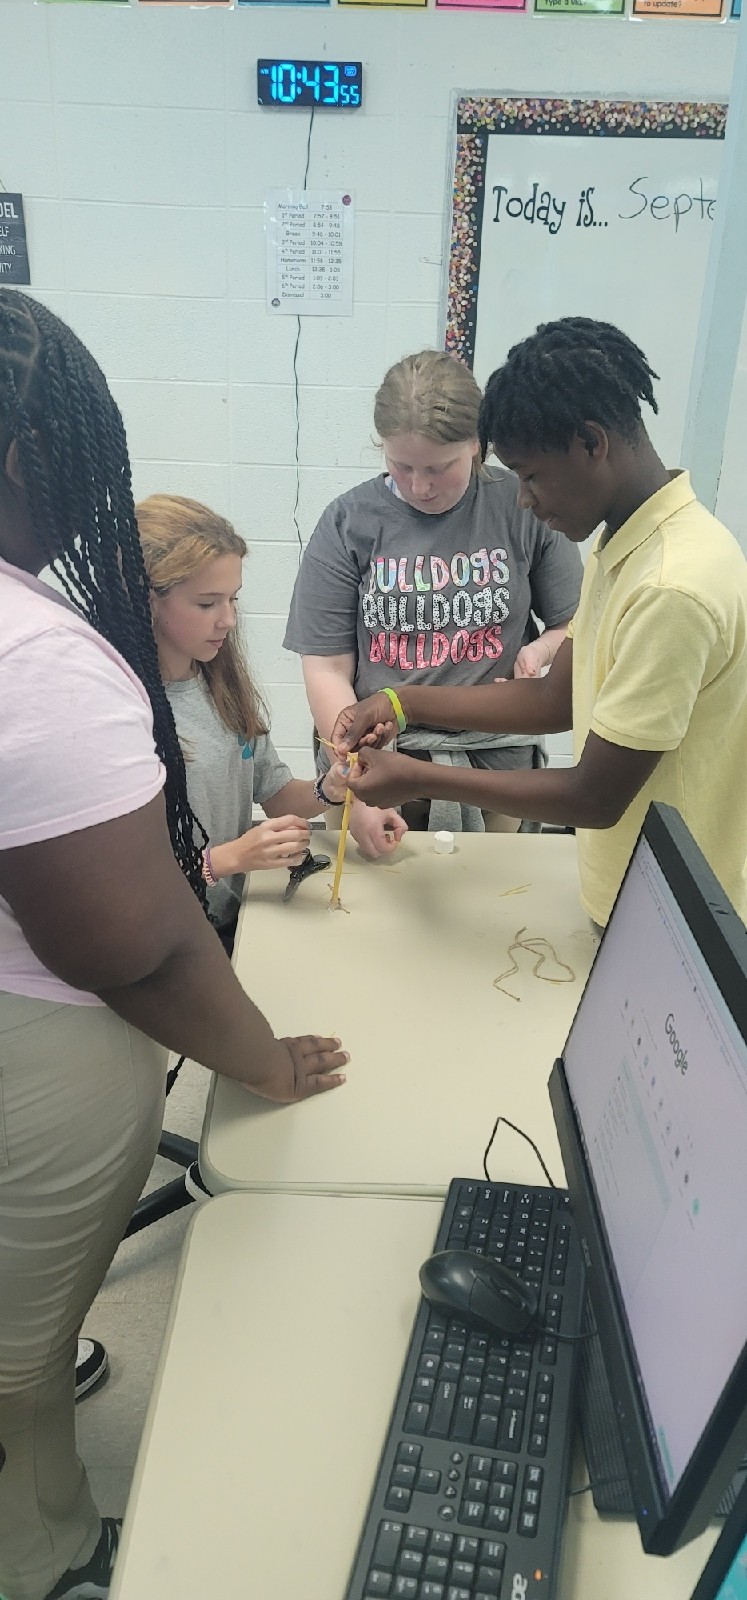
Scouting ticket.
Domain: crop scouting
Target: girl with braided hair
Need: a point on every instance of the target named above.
(107, 959)
(652, 677)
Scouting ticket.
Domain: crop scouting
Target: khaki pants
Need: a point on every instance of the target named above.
(415, 813)
(81, 1109)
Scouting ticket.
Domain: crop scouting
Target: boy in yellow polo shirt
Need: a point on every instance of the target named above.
(653, 675)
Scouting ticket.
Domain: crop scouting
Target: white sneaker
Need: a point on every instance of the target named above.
(91, 1363)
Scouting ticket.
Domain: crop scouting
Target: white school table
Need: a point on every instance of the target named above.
(404, 977)
(288, 1330)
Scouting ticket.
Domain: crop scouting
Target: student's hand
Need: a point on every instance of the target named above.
(383, 779)
(278, 842)
(532, 659)
(376, 833)
(367, 722)
(313, 1064)
(336, 783)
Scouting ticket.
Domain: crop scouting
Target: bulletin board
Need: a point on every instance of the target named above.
(583, 207)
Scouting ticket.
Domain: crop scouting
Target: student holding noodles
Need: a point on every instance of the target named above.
(653, 675)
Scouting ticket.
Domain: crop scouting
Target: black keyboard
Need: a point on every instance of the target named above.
(471, 1490)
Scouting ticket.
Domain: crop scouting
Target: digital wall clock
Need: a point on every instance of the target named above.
(336, 85)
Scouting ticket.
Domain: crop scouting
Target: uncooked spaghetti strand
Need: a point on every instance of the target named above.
(335, 901)
(531, 946)
(519, 943)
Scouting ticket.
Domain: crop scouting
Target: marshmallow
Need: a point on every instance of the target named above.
(443, 843)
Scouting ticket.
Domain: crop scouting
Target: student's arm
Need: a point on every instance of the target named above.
(594, 794)
(542, 705)
(108, 910)
(555, 578)
(298, 798)
(668, 649)
(323, 630)
(535, 657)
(329, 687)
(283, 840)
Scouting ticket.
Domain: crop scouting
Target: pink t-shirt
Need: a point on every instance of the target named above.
(76, 746)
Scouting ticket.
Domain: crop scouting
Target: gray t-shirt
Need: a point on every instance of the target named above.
(442, 599)
(225, 775)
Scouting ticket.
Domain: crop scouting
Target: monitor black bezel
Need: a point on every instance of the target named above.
(727, 1546)
(664, 1523)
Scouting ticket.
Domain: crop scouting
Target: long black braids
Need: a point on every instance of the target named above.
(563, 376)
(72, 453)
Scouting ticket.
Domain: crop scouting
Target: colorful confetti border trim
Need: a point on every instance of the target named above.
(478, 118)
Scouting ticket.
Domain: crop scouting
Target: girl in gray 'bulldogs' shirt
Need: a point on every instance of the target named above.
(430, 573)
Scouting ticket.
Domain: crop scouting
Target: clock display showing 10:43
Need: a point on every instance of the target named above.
(336, 85)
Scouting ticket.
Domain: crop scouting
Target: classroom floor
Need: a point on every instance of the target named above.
(130, 1315)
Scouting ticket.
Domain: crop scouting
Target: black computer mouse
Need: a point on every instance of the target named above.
(466, 1285)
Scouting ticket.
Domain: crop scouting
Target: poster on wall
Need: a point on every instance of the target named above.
(736, 8)
(309, 236)
(678, 8)
(283, 2)
(14, 250)
(579, 8)
(420, 3)
(481, 5)
(587, 208)
(196, 5)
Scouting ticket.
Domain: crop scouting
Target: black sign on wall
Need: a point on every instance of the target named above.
(14, 253)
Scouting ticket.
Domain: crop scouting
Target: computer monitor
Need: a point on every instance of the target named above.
(725, 1575)
(650, 1104)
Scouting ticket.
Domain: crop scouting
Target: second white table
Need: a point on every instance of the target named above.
(405, 978)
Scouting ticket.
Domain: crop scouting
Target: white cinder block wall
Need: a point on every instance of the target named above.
(134, 135)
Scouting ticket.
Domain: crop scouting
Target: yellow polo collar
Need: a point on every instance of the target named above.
(645, 522)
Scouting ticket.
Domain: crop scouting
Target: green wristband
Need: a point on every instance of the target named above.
(397, 708)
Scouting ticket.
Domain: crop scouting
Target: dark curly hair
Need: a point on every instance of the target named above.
(72, 453)
(563, 376)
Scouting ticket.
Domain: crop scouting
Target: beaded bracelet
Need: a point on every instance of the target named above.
(321, 798)
(207, 868)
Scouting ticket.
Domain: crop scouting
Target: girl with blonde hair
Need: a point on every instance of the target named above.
(193, 559)
(430, 573)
